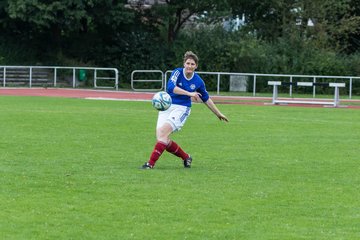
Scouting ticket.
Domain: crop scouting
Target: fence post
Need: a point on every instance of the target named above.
(55, 76)
(116, 79)
(74, 77)
(350, 90)
(314, 87)
(30, 78)
(254, 86)
(218, 84)
(4, 80)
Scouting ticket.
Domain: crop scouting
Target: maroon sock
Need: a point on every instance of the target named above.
(156, 153)
(175, 149)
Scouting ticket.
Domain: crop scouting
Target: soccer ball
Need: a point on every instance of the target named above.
(161, 101)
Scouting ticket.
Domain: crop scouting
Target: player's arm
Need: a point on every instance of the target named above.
(211, 105)
(181, 91)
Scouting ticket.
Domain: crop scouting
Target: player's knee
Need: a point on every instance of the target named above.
(162, 135)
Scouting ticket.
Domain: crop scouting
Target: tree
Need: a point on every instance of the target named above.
(53, 26)
(171, 17)
(268, 19)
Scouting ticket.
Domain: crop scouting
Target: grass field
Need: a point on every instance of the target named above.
(69, 170)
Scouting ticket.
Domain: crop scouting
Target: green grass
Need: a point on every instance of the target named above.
(69, 170)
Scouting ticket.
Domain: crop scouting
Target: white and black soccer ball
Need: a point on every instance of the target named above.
(161, 101)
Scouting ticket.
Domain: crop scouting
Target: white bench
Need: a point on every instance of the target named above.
(334, 103)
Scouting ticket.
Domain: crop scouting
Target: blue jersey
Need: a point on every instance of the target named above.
(195, 84)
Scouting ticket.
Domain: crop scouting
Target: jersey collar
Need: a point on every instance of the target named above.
(185, 75)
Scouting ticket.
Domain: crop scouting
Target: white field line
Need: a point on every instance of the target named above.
(116, 99)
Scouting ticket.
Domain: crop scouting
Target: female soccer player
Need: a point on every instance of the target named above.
(183, 85)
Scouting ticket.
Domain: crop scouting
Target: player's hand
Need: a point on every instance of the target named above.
(196, 98)
(222, 117)
(195, 95)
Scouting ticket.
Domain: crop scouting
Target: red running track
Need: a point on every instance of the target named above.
(142, 96)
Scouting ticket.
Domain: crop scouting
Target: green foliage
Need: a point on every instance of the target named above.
(12, 53)
(239, 52)
(174, 14)
(73, 28)
(105, 33)
(243, 52)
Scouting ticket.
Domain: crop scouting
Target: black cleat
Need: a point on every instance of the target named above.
(147, 166)
(187, 162)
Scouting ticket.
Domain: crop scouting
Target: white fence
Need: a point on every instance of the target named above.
(109, 78)
(160, 79)
(256, 77)
(49, 75)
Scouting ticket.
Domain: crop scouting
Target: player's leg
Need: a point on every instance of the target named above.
(169, 121)
(177, 119)
(162, 134)
(175, 149)
(163, 130)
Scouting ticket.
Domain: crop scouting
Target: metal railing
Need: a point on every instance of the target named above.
(135, 80)
(28, 75)
(347, 79)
